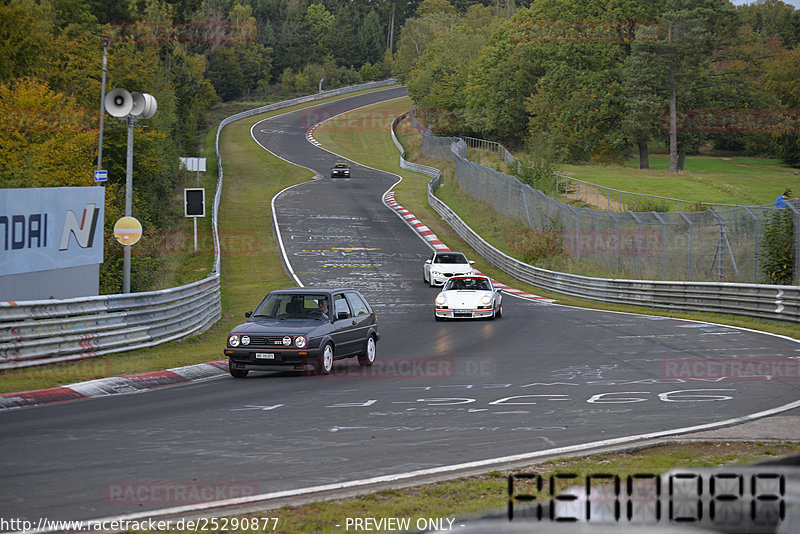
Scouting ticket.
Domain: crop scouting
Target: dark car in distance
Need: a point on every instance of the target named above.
(304, 328)
(340, 170)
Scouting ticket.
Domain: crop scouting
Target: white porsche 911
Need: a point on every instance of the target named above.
(469, 297)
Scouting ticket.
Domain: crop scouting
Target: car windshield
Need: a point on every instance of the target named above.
(293, 306)
(455, 257)
(474, 284)
(340, 166)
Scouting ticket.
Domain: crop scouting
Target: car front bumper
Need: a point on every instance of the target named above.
(463, 314)
(265, 358)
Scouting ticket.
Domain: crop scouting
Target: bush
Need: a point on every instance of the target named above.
(534, 245)
(777, 249)
(650, 204)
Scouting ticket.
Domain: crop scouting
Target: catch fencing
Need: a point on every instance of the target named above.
(42, 332)
(753, 300)
(720, 243)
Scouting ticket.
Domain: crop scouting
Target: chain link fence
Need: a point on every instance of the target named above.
(721, 243)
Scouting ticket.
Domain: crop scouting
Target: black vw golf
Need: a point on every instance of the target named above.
(300, 328)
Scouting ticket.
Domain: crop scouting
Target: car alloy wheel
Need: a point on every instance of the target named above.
(325, 363)
(499, 313)
(368, 358)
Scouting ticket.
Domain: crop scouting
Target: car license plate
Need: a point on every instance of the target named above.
(462, 311)
(265, 356)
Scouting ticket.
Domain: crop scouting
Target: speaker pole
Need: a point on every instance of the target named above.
(126, 264)
(102, 104)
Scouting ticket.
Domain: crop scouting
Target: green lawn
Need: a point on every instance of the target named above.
(724, 180)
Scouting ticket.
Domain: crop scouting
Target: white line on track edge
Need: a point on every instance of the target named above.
(456, 467)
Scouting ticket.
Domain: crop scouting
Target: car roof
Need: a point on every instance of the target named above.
(442, 252)
(311, 290)
(340, 164)
(466, 276)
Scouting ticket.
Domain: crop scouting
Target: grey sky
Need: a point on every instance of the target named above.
(795, 3)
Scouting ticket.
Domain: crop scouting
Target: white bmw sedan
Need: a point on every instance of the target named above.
(469, 297)
(442, 265)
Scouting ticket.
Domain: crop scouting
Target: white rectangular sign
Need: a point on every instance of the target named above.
(48, 228)
(194, 164)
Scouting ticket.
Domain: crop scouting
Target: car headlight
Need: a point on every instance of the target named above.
(300, 341)
(287, 341)
(233, 341)
(486, 299)
(245, 340)
(440, 300)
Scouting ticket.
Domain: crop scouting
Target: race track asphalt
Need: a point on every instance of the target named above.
(543, 376)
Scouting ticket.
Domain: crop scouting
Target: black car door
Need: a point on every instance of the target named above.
(362, 316)
(345, 333)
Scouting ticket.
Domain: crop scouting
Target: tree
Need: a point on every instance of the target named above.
(48, 140)
(431, 7)
(225, 73)
(370, 39)
(25, 36)
(415, 36)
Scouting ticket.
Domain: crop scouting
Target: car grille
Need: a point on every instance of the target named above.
(266, 340)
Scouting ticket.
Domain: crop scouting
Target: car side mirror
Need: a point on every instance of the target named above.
(341, 315)
(427, 261)
(472, 262)
(247, 314)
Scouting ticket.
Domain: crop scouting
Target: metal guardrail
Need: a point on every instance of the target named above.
(49, 331)
(753, 300)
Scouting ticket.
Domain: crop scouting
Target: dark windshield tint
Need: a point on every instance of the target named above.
(291, 306)
(454, 257)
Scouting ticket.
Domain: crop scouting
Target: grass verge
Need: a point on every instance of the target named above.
(481, 495)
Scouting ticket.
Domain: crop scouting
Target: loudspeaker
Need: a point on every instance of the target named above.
(138, 104)
(150, 106)
(119, 102)
(144, 106)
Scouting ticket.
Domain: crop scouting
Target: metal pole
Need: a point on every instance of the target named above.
(126, 267)
(102, 105)
(691, 246)
(663, 244)
(195, 233)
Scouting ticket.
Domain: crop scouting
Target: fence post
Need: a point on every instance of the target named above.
(691, 245)
(577, 239)
(616, 237)
(663, 243)
(638, 242)
(796, 273)
(756, 238)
